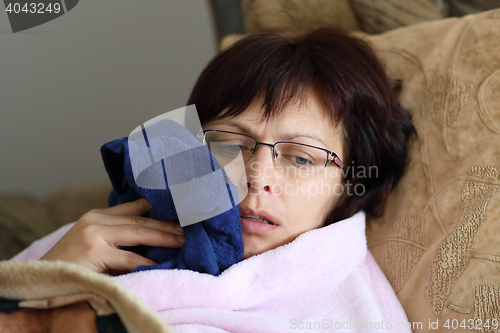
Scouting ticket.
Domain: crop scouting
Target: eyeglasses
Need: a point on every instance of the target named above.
(226, 146)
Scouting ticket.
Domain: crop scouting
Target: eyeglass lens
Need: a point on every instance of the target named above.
(227, 146)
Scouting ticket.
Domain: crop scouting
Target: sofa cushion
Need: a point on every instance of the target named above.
(465, 7)
(73, 200)
(438, 242)
(293, 15)
(377, 16)
(23, 219)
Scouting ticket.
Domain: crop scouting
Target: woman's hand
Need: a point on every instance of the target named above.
(94, 239)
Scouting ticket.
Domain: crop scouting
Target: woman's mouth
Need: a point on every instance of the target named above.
(256, 218)
(256, 224)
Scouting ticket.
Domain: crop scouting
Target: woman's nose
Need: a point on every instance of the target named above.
(261, 174)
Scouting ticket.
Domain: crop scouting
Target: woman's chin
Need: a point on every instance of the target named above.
(251, 253)
(254, 246)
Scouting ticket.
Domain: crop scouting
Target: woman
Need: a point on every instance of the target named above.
(324, 89)
(322, 139)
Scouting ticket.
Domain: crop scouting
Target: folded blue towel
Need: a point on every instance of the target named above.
(211, 245)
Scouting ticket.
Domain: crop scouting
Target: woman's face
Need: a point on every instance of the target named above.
(293, 204)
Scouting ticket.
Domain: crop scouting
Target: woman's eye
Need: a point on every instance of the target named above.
(300, 161)
(227, 148)
(234, 148)
(237, 148)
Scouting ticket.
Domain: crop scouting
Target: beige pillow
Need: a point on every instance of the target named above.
(464, 7)
(293, 15)
(377, 16)
(439, 241)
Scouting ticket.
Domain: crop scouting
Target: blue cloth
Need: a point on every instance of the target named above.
(211, 245)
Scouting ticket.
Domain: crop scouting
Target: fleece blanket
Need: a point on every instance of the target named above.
(156, 163)
(324, 280)
(59, 297)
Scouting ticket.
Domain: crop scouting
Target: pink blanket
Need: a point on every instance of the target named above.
(325, 280)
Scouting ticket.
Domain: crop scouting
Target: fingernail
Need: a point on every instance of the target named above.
(180, 239)
(179, 228)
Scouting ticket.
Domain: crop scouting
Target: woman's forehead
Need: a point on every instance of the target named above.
(306, 122)
(309, 112)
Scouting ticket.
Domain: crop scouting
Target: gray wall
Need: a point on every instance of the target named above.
(91, 76)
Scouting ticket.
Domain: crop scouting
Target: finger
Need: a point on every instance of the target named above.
(132, 235)
(121, 260)
(138, 207)
(167, 226)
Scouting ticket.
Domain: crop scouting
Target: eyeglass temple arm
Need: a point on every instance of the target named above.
(336, 160)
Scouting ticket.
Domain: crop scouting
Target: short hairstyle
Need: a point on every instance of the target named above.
(346, 73)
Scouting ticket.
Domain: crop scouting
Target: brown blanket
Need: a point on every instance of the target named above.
(58, 297)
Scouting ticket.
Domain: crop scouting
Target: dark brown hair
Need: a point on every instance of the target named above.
(346, 73)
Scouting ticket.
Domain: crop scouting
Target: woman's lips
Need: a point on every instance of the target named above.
(257, 221)
(256, 227)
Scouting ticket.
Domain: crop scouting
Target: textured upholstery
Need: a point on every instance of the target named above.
(371, 16)
(292, 15)
(378, 16)
(438, 243)
(25, 218)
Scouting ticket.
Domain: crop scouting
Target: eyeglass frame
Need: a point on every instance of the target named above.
(335, 159)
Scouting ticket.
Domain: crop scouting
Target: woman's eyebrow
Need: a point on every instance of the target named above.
(291, 136)
(243, 128)
(286, 137)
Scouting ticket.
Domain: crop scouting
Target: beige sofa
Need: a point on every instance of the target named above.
(25, 218)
